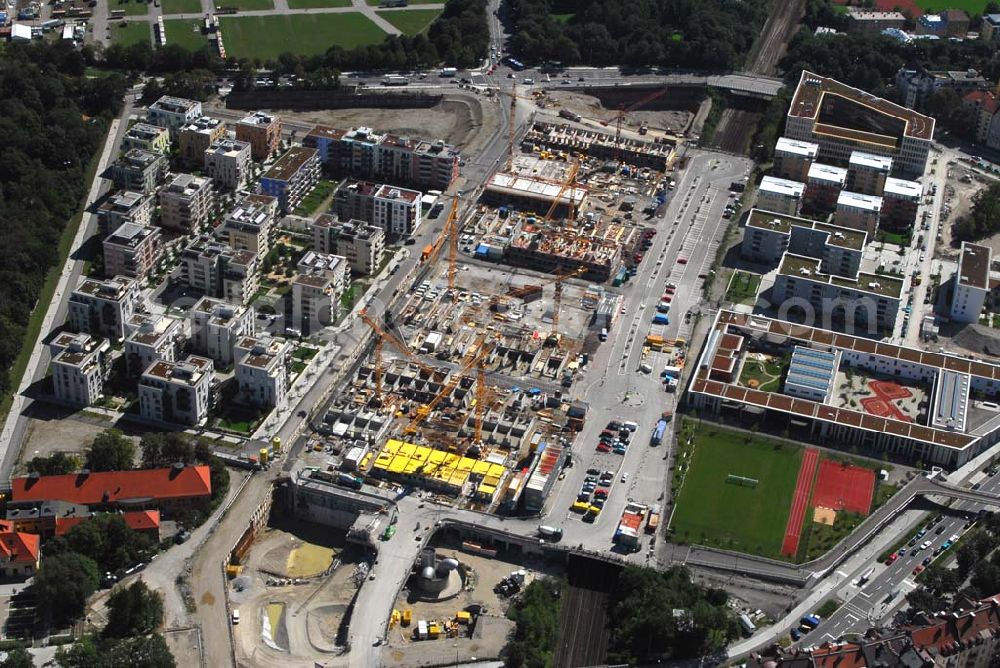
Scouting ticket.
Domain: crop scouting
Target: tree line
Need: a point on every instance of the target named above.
(708, 34)
(53, 120)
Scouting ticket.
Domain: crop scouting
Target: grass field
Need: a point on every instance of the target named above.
(186, 33)
(411, 21)
(247, 5)
(131, 33)
(131, 7)
(181, 7)
(375, 3)
(312, 4)
(711, 511)
(305, 34)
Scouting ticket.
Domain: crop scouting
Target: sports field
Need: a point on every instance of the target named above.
(711, 511)
(267, 37)
(130, 7)
(181, 6)
(411, 21)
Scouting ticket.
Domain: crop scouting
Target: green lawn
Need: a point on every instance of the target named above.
(311, 203)
(970, 6)
(312, 4)
(411, 21)
(186, 33)
(743, 288)
(711, 511)
(132, 32)
(305, 34)
(131, 7)
(181, 7)
(246, 5)
(767, 374)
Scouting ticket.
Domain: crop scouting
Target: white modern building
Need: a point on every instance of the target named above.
(153, 338)
(227, 163)
(177, 392)
(219, 271)
(216, 327)
(397, 210)
(262, 370)
(971, 284)
(103, 308)
(80, 365)
(317, 289)
(186, 203)
(173, 112)
(780, 195)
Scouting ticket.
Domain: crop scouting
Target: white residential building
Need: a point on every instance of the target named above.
(217, 270)
(173, 113)
(397, 210)
(126, 207)
(104, 307)
(317, 289)
(859, 212)
(228, 162)
(80, 365)
(153, 338)
(780, 195)
(262, 370)
(216, 327)
(177, 392)
(972, 283)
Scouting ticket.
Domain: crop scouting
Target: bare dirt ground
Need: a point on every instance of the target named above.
(590, 107)
(492, 630)
(458, 119)
(185, 645)
(64, 434)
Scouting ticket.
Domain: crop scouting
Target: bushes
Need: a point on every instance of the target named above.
(536, 613)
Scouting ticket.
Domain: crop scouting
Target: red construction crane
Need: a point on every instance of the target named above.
(619, 116)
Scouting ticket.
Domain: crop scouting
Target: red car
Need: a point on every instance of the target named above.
(918, 570)
(601, 493)
(668, 291)
(682, 260)
(892, 559)
(603, 448)
(666, 299)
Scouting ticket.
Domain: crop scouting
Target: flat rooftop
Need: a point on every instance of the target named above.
(803, 149)
(862, 160)
(870, 203)
(901, 188)
(386, 191)
(974, 266)
(820, 172)
(327, 132)
(808, 268)
(844, 237)
(730, 322)
(525, 186)
(813, 88)
(774, 185)
(290, 163)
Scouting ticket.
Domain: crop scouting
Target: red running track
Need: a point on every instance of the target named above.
(844, 487)
(800, 502)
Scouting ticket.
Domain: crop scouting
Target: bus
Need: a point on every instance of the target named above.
(514, 64)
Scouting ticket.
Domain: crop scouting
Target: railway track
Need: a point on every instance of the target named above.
(583, 625)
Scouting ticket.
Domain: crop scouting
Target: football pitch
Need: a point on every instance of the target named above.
(711, 511)
(267, 37)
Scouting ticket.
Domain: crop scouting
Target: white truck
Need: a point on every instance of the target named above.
(448, 71)
(395, 80)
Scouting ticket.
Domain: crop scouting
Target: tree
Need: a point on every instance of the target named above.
(164, 449)
(136, 610)
(146, 651)
(82, 654)
(64, 583)
(17, 658)
(111, 451)
(58, 463)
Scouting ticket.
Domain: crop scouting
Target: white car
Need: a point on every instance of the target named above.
(625, 477)
(236, 616)
(924, 545)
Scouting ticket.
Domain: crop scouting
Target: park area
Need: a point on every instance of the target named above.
(411, 21)
(128, 33)
(752, 494)
(185, 33)
(267, 37)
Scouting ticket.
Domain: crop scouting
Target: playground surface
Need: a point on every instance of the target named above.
(800, 502)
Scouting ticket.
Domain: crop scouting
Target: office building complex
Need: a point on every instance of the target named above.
(842, 120)
(290, 178)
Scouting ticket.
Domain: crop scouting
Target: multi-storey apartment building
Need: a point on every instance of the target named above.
(187, 203)
(793, 158)
(251, 224)
(80, 365)
(132, 250)
(361, 243)
(780, 195)
(216, 326)
(291, 177)
(316, 290)
(262, 370)
(138, 170)
(866, 172)
(971, 283)
(177, 392)
(147, 137)
(262, 131)
(152, 338)
(173, 113)
(197, 137)
(126, 207)
(104, 307)
(768, 236)
(227, 162)
(823, 186)
(859, 212)
(219, 271)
